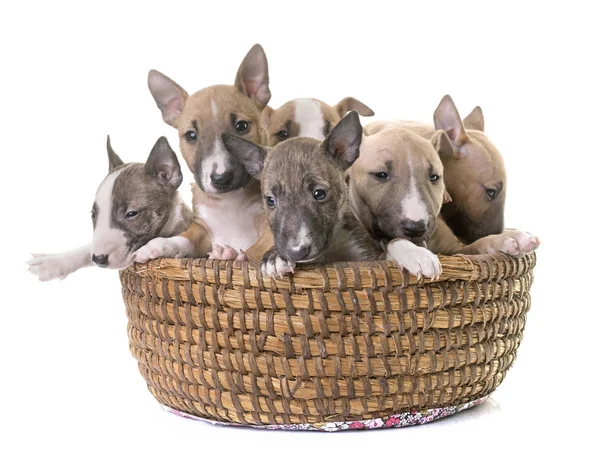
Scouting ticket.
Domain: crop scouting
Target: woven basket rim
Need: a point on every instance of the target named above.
(486, 267)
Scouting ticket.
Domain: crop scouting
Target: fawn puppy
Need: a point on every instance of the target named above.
(474, 172)
(396, 189)
(227, 202)
(134, 204)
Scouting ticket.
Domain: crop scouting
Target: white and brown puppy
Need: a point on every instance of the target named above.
(474, 171)
(134, 204)
(306, 199)
(396, 189)
(310, 118)
(227, 203)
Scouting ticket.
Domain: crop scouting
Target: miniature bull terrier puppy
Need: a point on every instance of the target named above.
(227, 203)
(308, 118)
(474, 172)
(305, 197)
(134, 204)
(396, 189)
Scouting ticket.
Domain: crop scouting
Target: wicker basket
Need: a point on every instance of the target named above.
(345, 344)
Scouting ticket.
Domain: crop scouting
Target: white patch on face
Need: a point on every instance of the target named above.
(309, 117)
(108, 240)
(214, 162)
(213, 108)
(413, 206)
(301, 240)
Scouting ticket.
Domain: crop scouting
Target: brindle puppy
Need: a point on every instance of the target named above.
(306, 199)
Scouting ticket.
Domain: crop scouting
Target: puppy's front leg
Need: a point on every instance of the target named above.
(417, 260)
(194, 242)
(511, 241)
(60, 265)
(276, 266)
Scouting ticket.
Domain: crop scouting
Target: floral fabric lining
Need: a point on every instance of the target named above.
(412, 418)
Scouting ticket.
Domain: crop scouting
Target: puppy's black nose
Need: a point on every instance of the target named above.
(298, 254)
(413, 229)
(221, 180)
(101, 260)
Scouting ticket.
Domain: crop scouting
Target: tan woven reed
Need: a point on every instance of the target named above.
(350, 341)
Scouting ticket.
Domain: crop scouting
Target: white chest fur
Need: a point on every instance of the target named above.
(231, 222)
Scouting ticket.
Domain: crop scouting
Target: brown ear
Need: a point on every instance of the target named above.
(474, 120)
(447, 197)
(446, 118)
(265, 117)
(442, 144)
(252, 78)
(350, 103)
(343, 142)
(168, 95)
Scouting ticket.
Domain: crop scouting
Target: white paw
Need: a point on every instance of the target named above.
(275, 266)
(50, 266)
(526, 242)
(511, 241)
(160, 247)
(227, 253)
(417, 260)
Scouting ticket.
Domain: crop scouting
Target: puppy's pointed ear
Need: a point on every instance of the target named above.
(265, 117)
(162, 165)
(250, 155)
(475, 119)
(168, 95)
(350, 103)
(447, 197)
(113, 159)
(441, 143)
(446, 118)
(252, 78)
(343, 142)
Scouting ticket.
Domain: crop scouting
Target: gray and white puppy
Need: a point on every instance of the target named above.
(134, 204)
(306, 198)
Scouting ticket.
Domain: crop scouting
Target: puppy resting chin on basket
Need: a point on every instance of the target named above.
(134, 204)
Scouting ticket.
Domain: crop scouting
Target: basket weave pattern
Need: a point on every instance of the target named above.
(349, 341)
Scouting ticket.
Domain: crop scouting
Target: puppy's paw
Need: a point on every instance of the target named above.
(417, 260)
(511, 241)
(50, 266)
(160, 247)
(227, 253)
(276, 266)
(526, 242)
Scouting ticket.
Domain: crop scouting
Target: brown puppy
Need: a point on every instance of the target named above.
(306, 198)
(396, 189)
(474, 171)
(227, 203)
(308, 118)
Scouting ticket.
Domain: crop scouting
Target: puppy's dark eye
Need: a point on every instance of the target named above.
(382, 176)
(491, 193)
(433, 178)
(131, 215)
(241, 127)
(270, 201)
(93, 214)
(319, 194)
(282, 134)
(190, 136)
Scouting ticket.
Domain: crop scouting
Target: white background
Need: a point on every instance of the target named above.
(70, 74)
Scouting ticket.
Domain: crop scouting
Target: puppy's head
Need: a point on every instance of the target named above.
(302, 181)
(474, 174)
(202, 117)
(396, 186)
(308, 118)
(133, 204)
